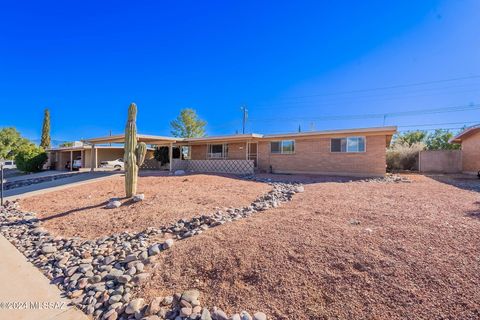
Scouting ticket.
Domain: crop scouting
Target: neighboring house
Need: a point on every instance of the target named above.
(470, 141)
(360, 152)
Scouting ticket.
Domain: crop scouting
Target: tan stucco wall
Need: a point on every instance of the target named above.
(445, 161)
(471, 153)
(312, 155)
(105, 154)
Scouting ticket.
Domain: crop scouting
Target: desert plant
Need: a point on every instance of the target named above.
(45, 142)
(134, 153)
(403, 156)
(30, 158)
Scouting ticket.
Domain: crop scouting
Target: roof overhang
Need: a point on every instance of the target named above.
(391, 130)
(120, 138)
(85, 147)
(465, 134)
(230, 138)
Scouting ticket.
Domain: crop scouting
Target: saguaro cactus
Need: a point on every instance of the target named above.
(134, 153)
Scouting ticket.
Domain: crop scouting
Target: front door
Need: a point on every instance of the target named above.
(252, 154)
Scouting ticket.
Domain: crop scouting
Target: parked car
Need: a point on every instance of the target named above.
(8, 164)
(115, 164)
(77, 164)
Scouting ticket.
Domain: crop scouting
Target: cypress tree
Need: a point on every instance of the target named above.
(45, 142)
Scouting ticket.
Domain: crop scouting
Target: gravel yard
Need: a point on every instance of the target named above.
(79, 211)
(347, 250)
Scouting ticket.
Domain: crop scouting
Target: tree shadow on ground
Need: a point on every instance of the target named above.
(474, 213)
(66, 213)
(268, 177)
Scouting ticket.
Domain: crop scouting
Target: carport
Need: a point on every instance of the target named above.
(160, 141)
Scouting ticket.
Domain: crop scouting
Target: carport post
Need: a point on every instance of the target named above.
(71, 160)
(170, 155)
(92, 161)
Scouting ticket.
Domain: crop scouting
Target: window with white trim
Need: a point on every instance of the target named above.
(186, 152)
(217, 151)
(347, 144)
(282, 147)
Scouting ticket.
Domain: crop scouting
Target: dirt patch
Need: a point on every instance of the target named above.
(347, 250)
(79, 211)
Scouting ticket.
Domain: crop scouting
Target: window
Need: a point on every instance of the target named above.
(282, 147)
(217, 151)
(348, 144)
(186, 152)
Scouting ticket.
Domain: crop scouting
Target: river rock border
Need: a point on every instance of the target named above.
(99, 276)
(27, 182)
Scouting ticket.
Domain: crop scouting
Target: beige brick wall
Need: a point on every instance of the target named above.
(237, 151)
(199, 152)
(312, 155)
(471, 153)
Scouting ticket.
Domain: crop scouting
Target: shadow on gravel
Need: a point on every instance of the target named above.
(465, 182)
(63, 214)
(474, 213)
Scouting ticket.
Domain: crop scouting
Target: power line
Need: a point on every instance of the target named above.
(387, 87)
(356, 99)
(433, 129)
(438, 124)
(378, 115)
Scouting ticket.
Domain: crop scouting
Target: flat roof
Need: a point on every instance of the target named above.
(465, 133)
(159, 140)
(119, 138)
(389, 129)
(86, 147)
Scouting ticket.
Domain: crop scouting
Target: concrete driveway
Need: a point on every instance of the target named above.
(58, 184)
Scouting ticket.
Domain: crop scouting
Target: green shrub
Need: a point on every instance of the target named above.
(402, 156)
(30, 158)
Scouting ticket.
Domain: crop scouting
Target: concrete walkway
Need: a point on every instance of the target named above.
(59, 184)
(25, 293)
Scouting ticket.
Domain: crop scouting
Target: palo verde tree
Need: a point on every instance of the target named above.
(410, 137)
(45, 141)
(188, 125)
(438, 140)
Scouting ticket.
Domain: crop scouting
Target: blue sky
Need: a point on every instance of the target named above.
(291, 62)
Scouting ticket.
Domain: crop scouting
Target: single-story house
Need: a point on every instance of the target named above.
(470, 141)
(360, 152)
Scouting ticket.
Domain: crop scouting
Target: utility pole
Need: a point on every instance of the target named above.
(245, 116)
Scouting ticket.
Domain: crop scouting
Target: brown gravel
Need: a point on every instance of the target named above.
(350, 250)
(78, 211)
